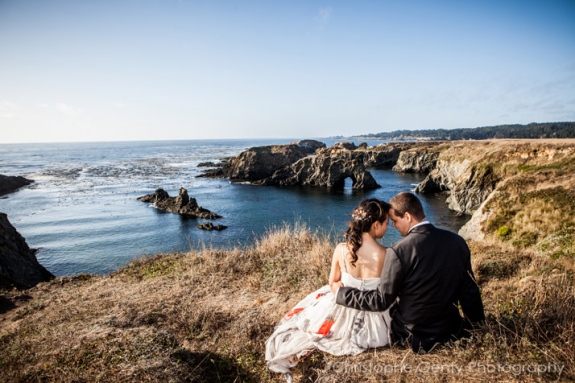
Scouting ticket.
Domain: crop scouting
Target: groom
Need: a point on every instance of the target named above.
(428, 273)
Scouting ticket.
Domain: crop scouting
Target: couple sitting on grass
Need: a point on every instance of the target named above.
(407, 294)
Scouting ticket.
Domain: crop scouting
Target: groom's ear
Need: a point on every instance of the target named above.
(408, 217)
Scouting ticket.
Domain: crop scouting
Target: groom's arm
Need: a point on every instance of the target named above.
(392, 277)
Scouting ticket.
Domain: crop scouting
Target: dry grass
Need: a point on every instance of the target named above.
(204, 317)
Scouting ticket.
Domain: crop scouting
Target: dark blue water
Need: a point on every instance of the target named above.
(83, 216)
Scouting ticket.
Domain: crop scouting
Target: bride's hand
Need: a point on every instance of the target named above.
(336, 285)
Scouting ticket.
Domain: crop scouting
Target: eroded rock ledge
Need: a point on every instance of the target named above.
(18, 264)
(309, 163)
(9, 184)
(182, 204)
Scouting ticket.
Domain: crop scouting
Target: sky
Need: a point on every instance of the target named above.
(117, 70)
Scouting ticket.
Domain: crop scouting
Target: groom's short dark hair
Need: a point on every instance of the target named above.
(407, 203)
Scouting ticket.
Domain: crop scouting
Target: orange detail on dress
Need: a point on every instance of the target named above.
(292, 312)
(325, 327)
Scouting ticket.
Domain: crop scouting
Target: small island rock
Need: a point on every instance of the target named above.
(210, 226)
(182, 204)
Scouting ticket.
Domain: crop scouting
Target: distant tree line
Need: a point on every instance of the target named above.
(533, 130)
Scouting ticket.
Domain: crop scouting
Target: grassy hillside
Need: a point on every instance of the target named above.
(533, 205)
(204, 316)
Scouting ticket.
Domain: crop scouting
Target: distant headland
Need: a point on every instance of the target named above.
(533, 130)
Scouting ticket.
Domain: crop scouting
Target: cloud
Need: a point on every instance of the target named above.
(69, 110)
(323, 17)
(119, 105)
(8, 109)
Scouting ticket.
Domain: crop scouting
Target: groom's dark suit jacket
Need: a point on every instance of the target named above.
(428, 273)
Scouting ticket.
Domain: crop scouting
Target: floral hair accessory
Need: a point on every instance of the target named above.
(359, 214)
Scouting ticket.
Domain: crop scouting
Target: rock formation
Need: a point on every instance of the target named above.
(329, 167)
(260, 162)
(310, 146)
(210, 226)
(345, 145)
(387, 155)
(263, 161)
(9, 184)
(182, 204)
(469, 183)
(208, 164)
(418, 160)
(18, 264)
(293, 164)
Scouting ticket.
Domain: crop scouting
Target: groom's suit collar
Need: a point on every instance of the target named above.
(419, 225)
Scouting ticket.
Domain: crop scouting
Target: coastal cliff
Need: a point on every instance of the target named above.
(18, 264)
(517, 191)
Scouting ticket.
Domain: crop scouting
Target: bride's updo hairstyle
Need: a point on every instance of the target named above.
(368, 211)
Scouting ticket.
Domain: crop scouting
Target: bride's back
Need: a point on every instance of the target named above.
(370, 257)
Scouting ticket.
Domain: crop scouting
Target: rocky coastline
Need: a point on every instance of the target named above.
(468, 173)
(310, 163)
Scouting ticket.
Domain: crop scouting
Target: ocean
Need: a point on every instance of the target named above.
(83, 216)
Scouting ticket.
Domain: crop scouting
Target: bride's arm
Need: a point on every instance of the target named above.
(335, 273)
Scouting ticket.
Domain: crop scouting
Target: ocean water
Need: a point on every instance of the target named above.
(83, 216)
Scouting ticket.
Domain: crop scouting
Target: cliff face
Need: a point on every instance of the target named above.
(388, 155)
(419, 160)
(261, 162)
(18, 264)
(468, 183)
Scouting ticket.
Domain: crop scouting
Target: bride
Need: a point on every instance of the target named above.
(317, 322)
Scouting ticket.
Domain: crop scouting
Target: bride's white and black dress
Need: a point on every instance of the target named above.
(318, 323)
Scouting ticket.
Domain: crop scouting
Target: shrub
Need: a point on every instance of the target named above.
(503, 231)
